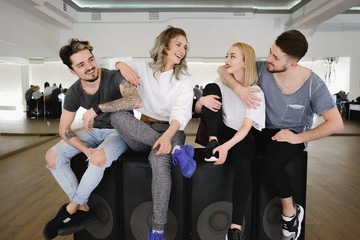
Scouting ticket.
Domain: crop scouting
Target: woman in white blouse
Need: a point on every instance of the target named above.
(228, 120)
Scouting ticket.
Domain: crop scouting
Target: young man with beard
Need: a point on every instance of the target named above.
(101, 92)
(293, 94)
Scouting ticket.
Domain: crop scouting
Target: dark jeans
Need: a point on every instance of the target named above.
(240, 155)
(275, 157)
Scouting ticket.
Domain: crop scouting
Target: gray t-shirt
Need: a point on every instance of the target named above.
(293, 111)
(108, 91)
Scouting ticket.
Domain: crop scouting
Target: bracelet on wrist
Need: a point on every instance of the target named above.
(96, 109)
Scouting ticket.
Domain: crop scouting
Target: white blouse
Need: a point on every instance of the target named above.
(234, 111)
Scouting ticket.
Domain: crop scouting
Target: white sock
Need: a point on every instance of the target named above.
(176, 147)
(288, 219)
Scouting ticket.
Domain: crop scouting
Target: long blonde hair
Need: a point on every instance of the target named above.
(251, 76)
(157, 53)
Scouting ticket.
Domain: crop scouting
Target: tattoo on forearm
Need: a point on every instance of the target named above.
(130, 100)
(70, 134)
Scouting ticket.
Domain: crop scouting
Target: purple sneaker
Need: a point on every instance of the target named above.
(184, 158)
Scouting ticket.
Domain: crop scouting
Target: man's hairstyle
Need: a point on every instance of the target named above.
(157, 53)
(73, 47)
(293, 43)
(251, 76)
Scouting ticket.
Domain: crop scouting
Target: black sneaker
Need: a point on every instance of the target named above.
(60, 220)
(291, 229)
(234, 234)
(209, 156)
(80, 220)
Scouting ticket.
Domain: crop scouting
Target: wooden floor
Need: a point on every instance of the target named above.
(30, 196)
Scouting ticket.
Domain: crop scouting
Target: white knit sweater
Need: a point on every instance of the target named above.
(165, 98)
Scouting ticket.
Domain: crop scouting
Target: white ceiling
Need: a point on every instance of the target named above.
(63, 14)
(258, 6)
(186, 5)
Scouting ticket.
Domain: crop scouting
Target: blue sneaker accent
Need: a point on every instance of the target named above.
(189, 150)
(155, 235)
(184, 158)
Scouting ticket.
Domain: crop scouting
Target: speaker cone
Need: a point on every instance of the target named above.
(141, 220)
(214, 221)
(105, 224)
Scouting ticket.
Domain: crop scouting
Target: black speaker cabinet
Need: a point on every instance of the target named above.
(104, 201)
(137, 199)
(210, 201)
(269, 205)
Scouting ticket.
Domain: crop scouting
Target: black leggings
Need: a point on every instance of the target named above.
(240, 155)
(275, 157)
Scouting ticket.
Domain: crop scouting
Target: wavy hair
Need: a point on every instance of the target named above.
(157, 53)
(251, 76)
(73, 47)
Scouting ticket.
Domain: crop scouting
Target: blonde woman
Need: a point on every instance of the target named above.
(166, 90)
(226, 118)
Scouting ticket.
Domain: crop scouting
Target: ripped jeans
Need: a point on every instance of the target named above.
(108, 139)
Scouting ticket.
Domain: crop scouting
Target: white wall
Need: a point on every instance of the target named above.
(22, 30)
(354, 78)
(340, 74)
(203, 73)
(15, 79)
(209, 38)
(52, 72)
(10, 86)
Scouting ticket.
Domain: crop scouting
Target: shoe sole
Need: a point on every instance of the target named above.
(47, 224)
(211, 159)
(44, 233)
(301, 217)
(73, 229)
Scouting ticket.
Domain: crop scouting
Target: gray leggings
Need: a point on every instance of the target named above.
(140, 137)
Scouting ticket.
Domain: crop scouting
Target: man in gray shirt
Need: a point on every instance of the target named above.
(101, 92)
(293, 94)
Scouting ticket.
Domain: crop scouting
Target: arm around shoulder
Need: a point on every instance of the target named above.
(245, 94)
(117, 64)
(131, 99)
(110, 63)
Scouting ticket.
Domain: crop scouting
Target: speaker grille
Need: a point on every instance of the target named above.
(214, 221)
(141, 219)
(104, 226)
(272, 219)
